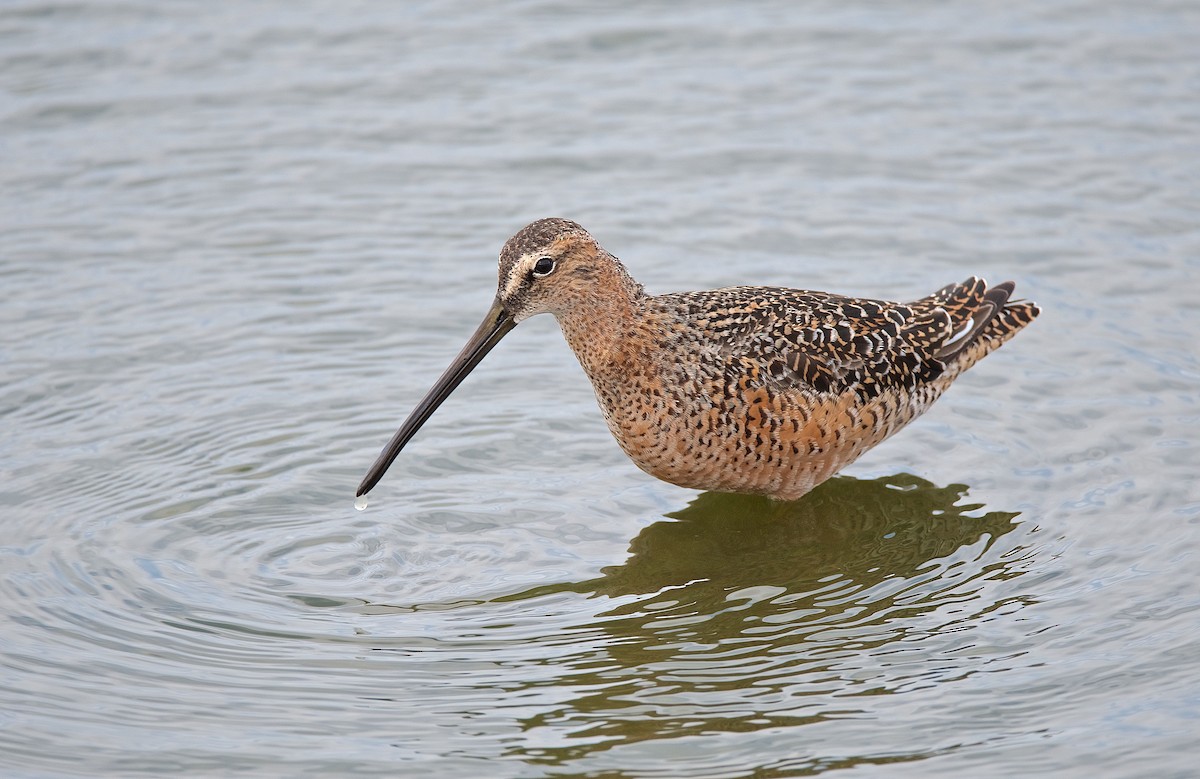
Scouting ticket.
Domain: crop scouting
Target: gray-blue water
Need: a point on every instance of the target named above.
(238, 242)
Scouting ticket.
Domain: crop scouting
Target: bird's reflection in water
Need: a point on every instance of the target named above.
(857, 532)
(740, 614)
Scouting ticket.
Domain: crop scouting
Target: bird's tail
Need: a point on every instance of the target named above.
(984, 318)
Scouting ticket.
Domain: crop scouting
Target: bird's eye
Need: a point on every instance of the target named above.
(543, 267)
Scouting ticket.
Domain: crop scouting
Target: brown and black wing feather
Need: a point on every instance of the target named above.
(831, 344)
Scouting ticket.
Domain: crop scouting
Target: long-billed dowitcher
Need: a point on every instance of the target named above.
(758, 390)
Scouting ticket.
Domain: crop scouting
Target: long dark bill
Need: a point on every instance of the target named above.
(495, 326)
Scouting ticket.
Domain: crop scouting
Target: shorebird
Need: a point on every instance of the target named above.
(760, 390)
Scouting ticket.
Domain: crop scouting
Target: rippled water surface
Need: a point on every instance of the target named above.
(237, 243)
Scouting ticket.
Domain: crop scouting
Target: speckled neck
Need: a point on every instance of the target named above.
(599, 326)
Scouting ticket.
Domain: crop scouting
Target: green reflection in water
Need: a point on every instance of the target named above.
(862, 530)
(741, 614)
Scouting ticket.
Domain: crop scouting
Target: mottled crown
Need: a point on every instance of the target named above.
(537, 235)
